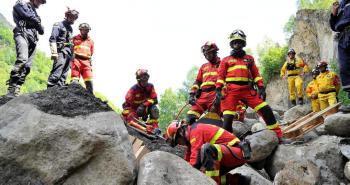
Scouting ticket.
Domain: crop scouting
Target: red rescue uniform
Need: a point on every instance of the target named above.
(225, 143)
(205, 81)
(236, 74)
(136, 96)
(81, 64)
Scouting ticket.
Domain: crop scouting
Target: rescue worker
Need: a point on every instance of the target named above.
(340, 22)
(204, 85)
(294, 68)
(28, 25)
(312, 91)
(61, 49)
(241, 110)
(328, 86)
(141, 101)
(83, 47)
(211, 149)
(239, 72)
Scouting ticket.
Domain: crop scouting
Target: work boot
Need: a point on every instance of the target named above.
(293, 102)
(13, 91)
(344, 108)
(89, 87)
(301, 101)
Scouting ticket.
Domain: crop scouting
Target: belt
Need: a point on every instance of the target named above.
(326, 92)
(238, 82)
(209, 89)
(293, 75)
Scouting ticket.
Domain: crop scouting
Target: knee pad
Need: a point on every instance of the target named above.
(154, 112)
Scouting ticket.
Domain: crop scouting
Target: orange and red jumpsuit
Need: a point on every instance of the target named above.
(137, 96)
(205, 82)
(81, 64)
(236, 73)
(224, 142)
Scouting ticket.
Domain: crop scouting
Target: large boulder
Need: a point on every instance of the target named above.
(251, 114)
(164, 168)
(347, 170)
(296, 112)
(91, 147)
(323, 151)
(298, 173)
(240, 129)
(262, 143)
(338, 124)
(256, 177)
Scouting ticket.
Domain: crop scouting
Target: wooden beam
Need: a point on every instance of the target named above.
(141, 152)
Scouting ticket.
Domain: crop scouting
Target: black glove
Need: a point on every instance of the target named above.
(140, 111)
(40, 29)
(262, 93)
(192, 99)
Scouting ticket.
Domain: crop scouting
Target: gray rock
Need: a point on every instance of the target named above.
(338, 124)
(251, 114)
(240, 129)
(298, 173)
(250, 122)
(262, 144)
(258, 127)
(323, 151)
(256, 177)
(296, 112)
(347, 170)
(164, 168)
(320, 130)
(40, 148)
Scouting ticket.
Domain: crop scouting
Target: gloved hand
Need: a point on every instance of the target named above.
(141, 110)
(192, 99)
(40, 29)
(262, 93)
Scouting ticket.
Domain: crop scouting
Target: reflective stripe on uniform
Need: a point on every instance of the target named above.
(274, 126)
(261, 105)
(220, 81)
(213, 173)
(194, 113)
(228, 112)
(152, 121)
(193, 140)
(218, 148)
(217, 135)
(257, 78)
(231, 79)
(233, 142)
(210, 74)
(195, 86)
(151, 101)
(207, 83)
(88, 79)
(126, 112)
(236, 67)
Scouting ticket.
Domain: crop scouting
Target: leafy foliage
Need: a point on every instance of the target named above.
(314, 4)
(289, 27)
(271, 58)
(343, 96)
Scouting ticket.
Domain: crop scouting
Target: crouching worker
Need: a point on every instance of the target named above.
(211, 149)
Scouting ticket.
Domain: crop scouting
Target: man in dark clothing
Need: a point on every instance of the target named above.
(340, 22)
(61, 49)
(28, 25)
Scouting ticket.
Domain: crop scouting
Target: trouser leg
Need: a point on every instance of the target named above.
(89, 87)
(291, 88)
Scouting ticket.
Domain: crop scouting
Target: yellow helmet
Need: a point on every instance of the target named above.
(238, 35)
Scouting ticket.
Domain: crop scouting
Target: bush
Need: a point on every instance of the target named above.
(342, 96)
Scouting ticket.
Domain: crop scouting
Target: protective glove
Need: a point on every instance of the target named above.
(192, 99)
(262, 93)
(40, 29)
(141, 110)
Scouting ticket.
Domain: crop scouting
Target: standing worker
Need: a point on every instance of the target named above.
(141, 101)
(83, 48)
(61, 49)
(340, 22)
(328, 86)
(204, 86)
(312, 91)
(294, 68)
(212, 150)
(240, 74)
(28, 25)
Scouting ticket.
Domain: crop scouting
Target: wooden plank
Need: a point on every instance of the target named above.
(141, 152)
(298, 121)
(137, 144)
(132, 139)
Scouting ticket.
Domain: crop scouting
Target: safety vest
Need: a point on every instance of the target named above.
(83, 48)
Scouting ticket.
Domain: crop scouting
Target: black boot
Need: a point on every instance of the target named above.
(89, 87)
(293, 102)
(301, 101)
(227, 125)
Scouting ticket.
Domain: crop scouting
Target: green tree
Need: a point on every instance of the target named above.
(314, 4)
(343, 96)
(288, 28)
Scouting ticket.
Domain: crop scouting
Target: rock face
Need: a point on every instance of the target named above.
(41, 148)
(338, 124)
(240, 129)
(256, 177)
(296, 112)
(164, 168)
(347, 170)
(313, 41)
(301, 173)
(324, 152)
(262, 144)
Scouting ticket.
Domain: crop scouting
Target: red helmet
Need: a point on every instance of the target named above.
(72, 13)
(172, 130)
(209, 47)
(322, 64)
(142, 73)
